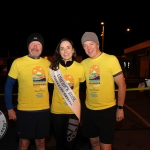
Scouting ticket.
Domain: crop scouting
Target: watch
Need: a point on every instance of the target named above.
(119, 107)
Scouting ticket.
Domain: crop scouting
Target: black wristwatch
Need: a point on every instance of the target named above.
(119, 107)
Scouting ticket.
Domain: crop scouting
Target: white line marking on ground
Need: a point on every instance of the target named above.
(139, 116)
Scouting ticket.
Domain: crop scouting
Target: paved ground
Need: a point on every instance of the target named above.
(133, 133)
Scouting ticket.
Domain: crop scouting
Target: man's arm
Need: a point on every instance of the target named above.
(119, 80)
(8, 97)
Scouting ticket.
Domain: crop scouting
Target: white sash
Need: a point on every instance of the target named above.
(66, 92)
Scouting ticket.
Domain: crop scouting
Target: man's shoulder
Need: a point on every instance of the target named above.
(19, 59)
(109, 56)
(45, 60)
(84, 60)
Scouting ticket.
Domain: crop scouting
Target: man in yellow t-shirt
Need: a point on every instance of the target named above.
(33, 109)
(102, 110)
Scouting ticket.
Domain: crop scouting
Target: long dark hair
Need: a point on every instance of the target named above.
(57, 57)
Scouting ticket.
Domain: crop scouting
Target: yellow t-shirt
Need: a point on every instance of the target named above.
(99, 72)
(33, 76)
(73, 75)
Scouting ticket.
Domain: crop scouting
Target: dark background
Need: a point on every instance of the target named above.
(58, 19)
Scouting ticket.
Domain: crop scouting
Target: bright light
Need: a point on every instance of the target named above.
(128, 29)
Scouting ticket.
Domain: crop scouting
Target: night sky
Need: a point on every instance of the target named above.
(69, 19)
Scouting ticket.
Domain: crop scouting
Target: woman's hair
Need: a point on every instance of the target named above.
(57, 57)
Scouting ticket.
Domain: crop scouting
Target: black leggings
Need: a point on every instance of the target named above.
(65, 130)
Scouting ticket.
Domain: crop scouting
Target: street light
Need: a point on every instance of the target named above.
(128, 30)
(102, 34)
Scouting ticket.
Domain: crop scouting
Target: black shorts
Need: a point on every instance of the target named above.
(33, 124)
(100, 123)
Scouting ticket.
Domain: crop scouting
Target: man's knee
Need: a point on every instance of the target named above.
(23, 144)
(40, 144)
(95, 142)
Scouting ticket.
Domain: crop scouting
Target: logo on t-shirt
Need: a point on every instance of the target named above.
(70, 80)
(38, 77)
(94, 75)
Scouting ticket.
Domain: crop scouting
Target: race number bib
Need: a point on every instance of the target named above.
(3, 125)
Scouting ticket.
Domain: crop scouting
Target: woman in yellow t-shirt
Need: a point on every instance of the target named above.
(66, 75)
